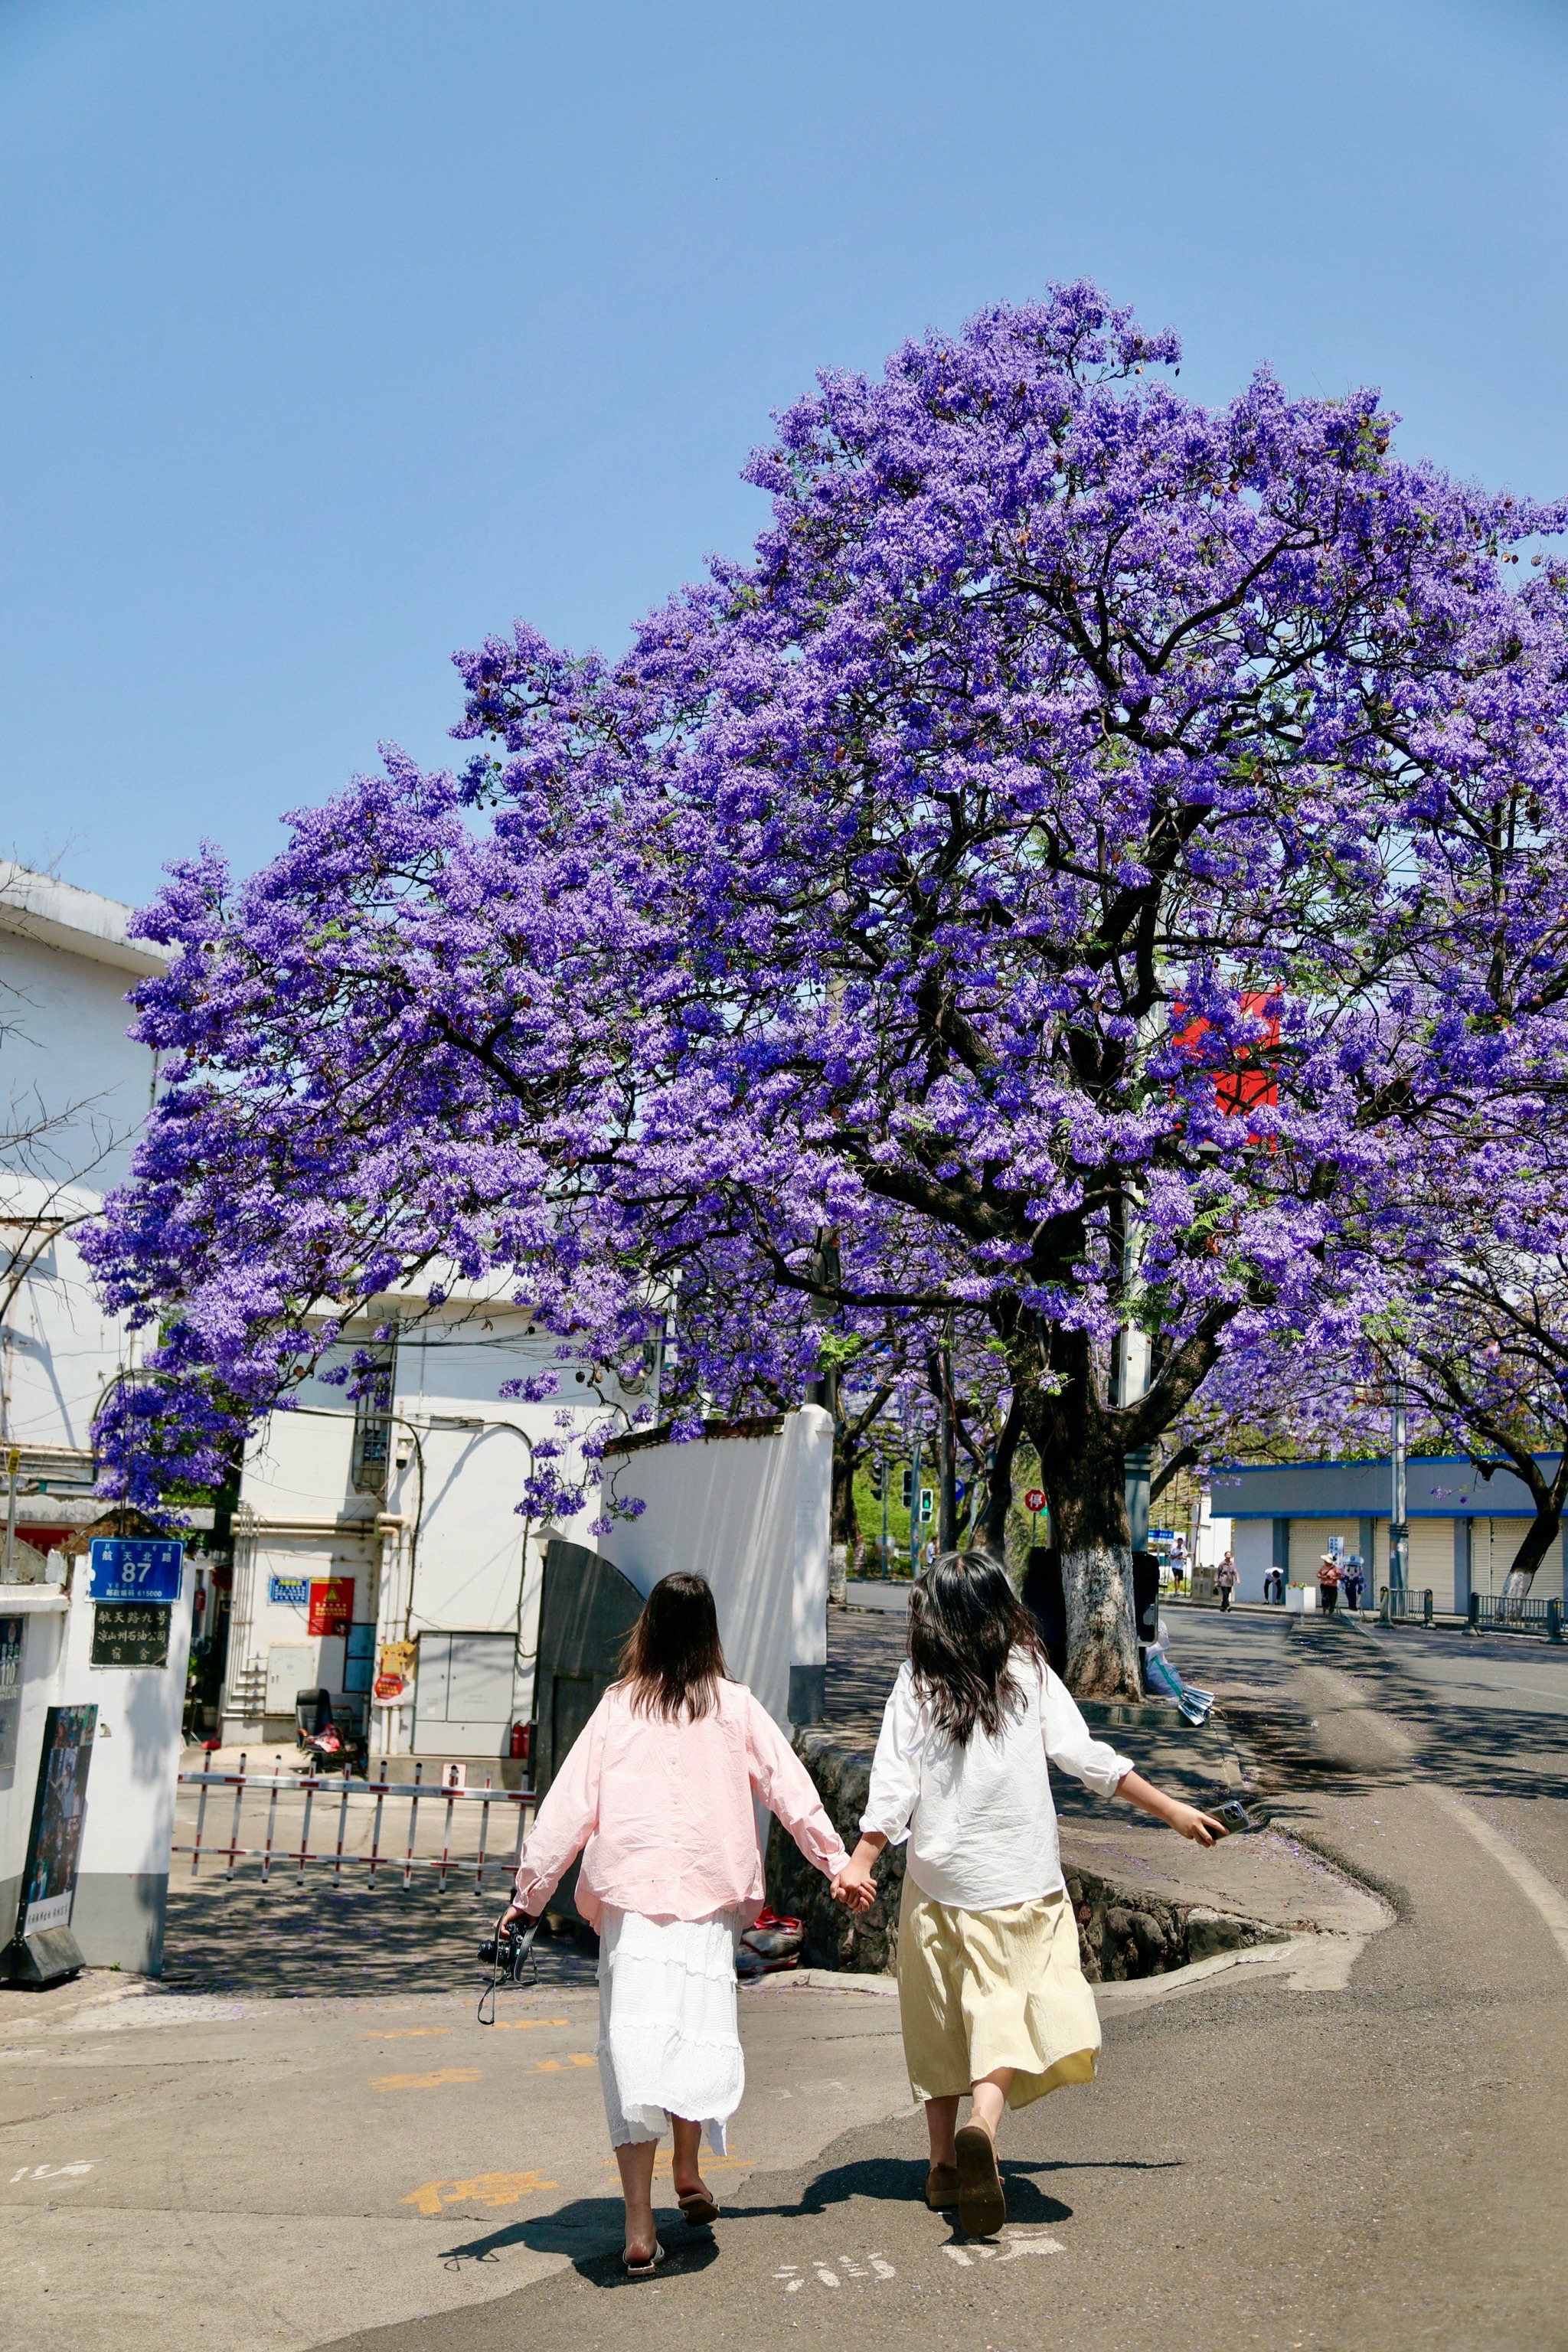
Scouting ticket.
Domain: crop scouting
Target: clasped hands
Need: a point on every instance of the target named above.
(854, 1885)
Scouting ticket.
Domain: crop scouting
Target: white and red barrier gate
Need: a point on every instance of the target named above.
(361, 1805)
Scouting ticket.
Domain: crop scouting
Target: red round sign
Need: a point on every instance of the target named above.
(1034, 1500)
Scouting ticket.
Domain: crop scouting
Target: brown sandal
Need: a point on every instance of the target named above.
(697, 2208)
(941, 2187)
(982, 2205)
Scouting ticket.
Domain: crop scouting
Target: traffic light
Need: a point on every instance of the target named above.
(906, 1489)
(877, 1476)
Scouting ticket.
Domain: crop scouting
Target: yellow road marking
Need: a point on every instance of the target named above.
(559, 2065)
(520, 2024)
(484, 2189)
(425, 2082)
(404, 2033)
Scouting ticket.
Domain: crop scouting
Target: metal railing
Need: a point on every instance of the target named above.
(1398, 1607)
(360, 1807)
(1494, 1612)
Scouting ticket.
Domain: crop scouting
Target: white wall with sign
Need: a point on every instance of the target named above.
(71, 1658)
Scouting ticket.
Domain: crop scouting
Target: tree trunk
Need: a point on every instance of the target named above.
(843, 1524)
(999, 1500)
(1088, 1529)
(1539, 1537)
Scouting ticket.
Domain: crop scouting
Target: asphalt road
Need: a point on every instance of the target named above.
(304, 2140)
(1382, 2165)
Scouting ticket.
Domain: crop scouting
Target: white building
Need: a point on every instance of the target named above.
(414, 1509)
(74, 1089)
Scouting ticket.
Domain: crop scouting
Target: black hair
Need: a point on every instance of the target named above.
(966, 1624)
(673, 1661)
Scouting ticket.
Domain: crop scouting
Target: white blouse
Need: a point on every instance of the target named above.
(979, 1819)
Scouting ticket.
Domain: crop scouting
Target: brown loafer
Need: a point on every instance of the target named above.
(941, 2187)
(981, 2206)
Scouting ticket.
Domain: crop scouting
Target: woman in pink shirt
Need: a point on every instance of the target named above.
(657, 1795)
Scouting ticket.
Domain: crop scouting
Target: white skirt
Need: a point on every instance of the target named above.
(667, 2040)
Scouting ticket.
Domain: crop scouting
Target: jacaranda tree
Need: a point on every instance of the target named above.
(1028, 897)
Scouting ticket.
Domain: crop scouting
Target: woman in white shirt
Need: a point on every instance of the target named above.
(991, 1998)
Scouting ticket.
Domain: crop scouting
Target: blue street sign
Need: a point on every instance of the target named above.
(135, 1568)
(293, 1590)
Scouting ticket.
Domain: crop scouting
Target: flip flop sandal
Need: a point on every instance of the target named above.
(644, 2269)
(981, 2206)
(697, 2208)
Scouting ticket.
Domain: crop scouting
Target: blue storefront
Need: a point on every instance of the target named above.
(1465, 1526)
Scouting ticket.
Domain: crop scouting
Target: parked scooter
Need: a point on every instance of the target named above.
(331, 1744)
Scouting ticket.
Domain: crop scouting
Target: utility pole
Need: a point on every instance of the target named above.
(915, 1506)
(1398, 1528)
(882, 1466)
(13, 1463)
(947, 1471)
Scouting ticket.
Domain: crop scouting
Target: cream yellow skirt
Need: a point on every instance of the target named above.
(980, 1989)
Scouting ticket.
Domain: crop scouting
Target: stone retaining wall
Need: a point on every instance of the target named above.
(1119, 1934)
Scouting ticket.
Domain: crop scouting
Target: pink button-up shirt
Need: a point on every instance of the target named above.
(661, 1812)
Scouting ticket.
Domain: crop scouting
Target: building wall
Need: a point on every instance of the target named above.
(1252, 1549)
(751, 1514)
(59, 1350)
(64, 1059)
(440, 1556)
(65, 1050)
(1310, 1539)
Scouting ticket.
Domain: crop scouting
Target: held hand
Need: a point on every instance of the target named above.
(1201, 1828)
(509, 1916)
(855, 1887)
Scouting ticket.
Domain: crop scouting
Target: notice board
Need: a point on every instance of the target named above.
(59, 1810)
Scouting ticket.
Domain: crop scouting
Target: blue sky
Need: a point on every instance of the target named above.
(334, 336)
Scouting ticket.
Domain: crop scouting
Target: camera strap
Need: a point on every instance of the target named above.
(521, 1950)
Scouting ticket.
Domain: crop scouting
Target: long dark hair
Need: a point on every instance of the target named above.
(673, 1661)
(966, 1624)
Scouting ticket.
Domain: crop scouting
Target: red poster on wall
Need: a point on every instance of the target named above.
(332, 1605)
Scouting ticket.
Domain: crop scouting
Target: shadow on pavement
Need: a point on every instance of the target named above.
(597, 2222)
(284, 1940)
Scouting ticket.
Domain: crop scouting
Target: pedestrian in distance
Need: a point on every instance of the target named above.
(1328, 1583)
(656, 1794)
(992, 2001)
(1224, 1583)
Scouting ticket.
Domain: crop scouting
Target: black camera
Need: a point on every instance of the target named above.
(507, 1951)
(508, 1955)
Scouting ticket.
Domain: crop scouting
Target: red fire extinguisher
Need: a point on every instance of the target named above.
(520, 1741)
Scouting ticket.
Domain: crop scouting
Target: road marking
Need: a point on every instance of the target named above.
(521, 2024)
(404, 2033)
(425, 2082)
(49, 2172)
(559, 2065)
(484, 2189)
(1537, 1890)
(792, 2277)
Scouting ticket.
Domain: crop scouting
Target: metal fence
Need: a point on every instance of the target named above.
(1492, 1612)
(361, 1821)
(1403, 1607)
